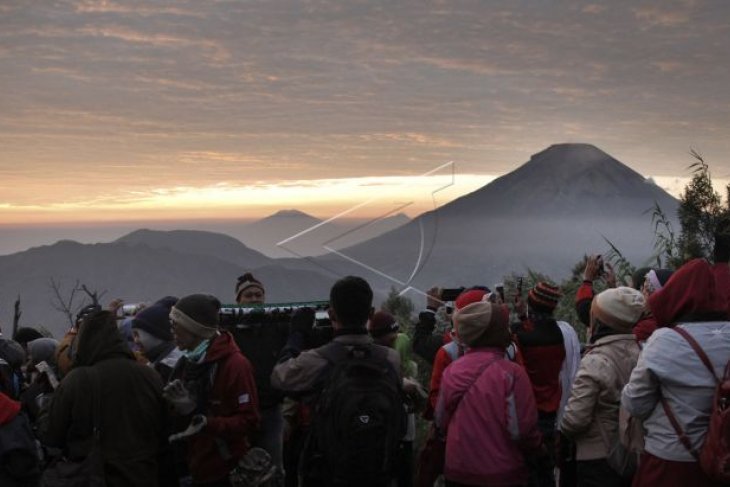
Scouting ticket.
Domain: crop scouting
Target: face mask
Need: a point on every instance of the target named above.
(195, 354)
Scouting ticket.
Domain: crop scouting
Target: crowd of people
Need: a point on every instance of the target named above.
(169, 397)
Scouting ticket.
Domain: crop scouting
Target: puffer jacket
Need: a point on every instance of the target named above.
(669, 367)
(490, 418)
(596, 394)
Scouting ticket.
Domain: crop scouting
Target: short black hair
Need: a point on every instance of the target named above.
(351, 299)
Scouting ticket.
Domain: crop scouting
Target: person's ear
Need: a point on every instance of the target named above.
(331, 313)
(372, 312)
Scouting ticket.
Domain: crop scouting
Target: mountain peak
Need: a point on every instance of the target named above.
(290, 213)
(564, 180)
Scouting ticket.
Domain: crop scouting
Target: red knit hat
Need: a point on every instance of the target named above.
(381, 324)
(468, 297)
(544, 297)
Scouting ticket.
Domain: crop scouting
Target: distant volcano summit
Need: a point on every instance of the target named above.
(567, 180)
(566, 201)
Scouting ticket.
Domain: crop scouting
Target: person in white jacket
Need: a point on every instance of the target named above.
(669, 367)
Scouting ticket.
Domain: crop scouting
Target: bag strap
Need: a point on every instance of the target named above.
(698, 350)
(481, 372)
(683, 438)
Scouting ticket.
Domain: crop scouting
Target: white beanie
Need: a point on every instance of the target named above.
(619, 308)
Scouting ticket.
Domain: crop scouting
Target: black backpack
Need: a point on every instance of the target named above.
(358, 421)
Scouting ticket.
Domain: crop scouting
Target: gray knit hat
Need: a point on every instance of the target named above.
(198, 314)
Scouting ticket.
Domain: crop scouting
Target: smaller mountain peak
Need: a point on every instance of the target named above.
(290, 213)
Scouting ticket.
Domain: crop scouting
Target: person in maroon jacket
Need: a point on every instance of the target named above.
(542, 346)
(213, 389)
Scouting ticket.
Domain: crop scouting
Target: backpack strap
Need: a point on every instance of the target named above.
(683, 438)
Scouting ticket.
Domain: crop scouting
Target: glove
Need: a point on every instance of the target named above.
(180, 398)
(302, 321)
(197, 423)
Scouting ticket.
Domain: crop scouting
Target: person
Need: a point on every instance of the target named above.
(66, 350)
(669, 369)
(305, 373)
(152, 334)
(595, 269)
(212, 392)
(384, 329)
(551, 354)
(591, 414)
(127, 396)
(42, 377)
(19, 460)
(654, 280)
(261, 340)
(486, 405)
(12, 358)
(428, 338)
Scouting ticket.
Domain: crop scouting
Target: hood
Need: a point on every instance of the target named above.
(8, 409)
(691, 294)
(12, 352)
(221, 346)
(99, 339)
(42, 349)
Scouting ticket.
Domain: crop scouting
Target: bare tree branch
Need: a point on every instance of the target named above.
(59, 303)
(16, 315)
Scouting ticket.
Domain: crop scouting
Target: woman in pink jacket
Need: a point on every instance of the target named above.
(486, 405)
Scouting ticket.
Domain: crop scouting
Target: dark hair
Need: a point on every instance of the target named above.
(351, 299)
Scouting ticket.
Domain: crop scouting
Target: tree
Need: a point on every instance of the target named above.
(69, 306)
(700, 211)
(400, 307)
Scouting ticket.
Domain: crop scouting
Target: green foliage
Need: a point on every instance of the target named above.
(699, 212)
(665, 240)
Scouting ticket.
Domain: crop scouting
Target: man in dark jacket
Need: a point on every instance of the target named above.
(213, 389)
(261, 339)
(131, 408)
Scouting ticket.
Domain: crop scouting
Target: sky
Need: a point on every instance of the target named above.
(122, 110)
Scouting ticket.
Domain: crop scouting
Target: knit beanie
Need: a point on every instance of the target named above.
(155, 320)
(482, 324)
(470, 296)
(618, 308)
(42, 349)
(246, 281)
(544, 297)
(381, 324)
(198, 314)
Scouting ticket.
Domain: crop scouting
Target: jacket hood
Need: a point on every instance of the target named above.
(99, 339)
(691, 294)
(8, 409)
(221, 346)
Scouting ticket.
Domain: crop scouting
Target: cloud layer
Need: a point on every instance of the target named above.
(100, 97)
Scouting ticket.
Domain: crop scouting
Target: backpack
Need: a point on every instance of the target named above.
(714, 454)
(358, 422)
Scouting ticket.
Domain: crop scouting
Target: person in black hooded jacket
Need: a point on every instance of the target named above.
(132, 409)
